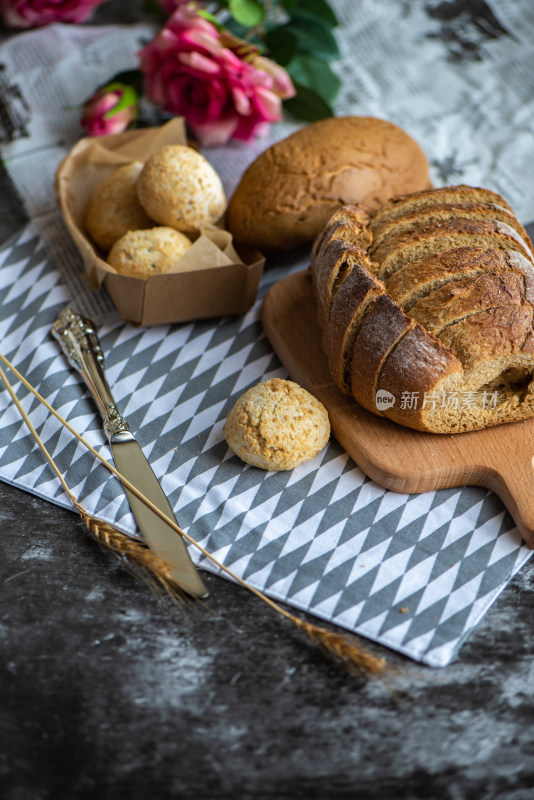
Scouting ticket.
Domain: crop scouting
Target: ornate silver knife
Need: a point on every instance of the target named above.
(78, 339)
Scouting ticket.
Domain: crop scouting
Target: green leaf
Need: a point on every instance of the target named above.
(247, 12)
(282, 45)
(129, 98)
(313, 38)
(314, 74)
(307, 105)
(209, 17)
(318, 9)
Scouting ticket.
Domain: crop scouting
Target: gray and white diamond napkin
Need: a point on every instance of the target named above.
(413, 572)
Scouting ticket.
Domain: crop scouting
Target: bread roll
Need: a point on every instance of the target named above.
(114, 208)
(179, 188)
(441, 338)
(277, 425)
(142, 254)
(286, 195)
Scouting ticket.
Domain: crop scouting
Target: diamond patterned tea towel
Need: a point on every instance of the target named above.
(414, 572)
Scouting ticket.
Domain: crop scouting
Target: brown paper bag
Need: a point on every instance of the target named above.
(211, 279)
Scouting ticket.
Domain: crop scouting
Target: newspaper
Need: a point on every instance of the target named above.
(457, 76)
(453, 75)
(45, 75)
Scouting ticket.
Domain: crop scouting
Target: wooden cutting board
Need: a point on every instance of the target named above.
(401, 459)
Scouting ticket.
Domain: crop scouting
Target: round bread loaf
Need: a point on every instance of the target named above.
(287, 194)
(178, 187)
(114, 207)
(141, 254)
(277, 425)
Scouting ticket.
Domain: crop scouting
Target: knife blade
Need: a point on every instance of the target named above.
(78, 340)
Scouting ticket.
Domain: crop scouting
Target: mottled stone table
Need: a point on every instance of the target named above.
(108, 692)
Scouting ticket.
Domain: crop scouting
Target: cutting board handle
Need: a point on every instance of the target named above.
(511, 475)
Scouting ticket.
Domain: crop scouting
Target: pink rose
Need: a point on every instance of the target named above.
(35, 13)
(112, 109)
(218, 83)
(282, 85)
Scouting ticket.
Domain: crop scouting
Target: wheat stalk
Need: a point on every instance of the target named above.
(137, 557)
(344, 649)
(153, 569)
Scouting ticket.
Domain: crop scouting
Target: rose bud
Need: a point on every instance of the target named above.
(112, 109)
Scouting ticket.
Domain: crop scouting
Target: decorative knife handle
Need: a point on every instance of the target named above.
(78, 339)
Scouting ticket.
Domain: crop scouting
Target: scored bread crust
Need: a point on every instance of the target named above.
(404, 203)
(418, 242)
(418, 278)
(382, 329)
(443, 311)
(455, 301)
(331, 270)
(493, 332)
(420, 365)
(354, 298)
(485, 212)
(347, 214)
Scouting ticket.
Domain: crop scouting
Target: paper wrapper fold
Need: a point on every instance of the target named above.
(211, 279)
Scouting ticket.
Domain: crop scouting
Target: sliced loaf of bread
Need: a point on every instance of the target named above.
(439, 325)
